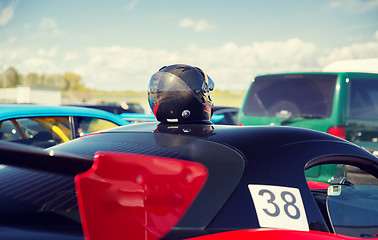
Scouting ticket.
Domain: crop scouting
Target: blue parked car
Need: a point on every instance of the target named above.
(46, 126)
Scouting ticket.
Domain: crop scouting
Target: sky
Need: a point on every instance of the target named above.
(119, 44)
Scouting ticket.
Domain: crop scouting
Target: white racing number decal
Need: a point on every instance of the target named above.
(279, 207)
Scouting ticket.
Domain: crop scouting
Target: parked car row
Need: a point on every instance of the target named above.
(46, 126)
(342, 104)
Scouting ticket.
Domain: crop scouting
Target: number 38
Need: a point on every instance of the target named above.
(289, 200)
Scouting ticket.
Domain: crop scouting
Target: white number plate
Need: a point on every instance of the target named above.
(279, 207)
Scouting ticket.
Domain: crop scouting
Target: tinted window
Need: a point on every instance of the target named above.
(363, 101)
(325, 173)
(230, 116)
(291, 96)
(353, 204)
(350, 203)
(85, 125)
(39, 131)
(340, 173)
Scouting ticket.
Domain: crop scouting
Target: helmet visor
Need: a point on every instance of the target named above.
(165, 81)
(207, 87)
(210, 83)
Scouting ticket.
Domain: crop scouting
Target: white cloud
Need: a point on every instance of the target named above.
(231, 66)
(354, 51)
(50, 26)
(6, 13)
(355, 6)
(70, 56)
(186, 23)
(203, 25)
(48, 23)
(355, 39)
(132, 4)
(197, 25)
(118, 68)
(40, 65)
(50, 53)
(376, 35)
(26, 59)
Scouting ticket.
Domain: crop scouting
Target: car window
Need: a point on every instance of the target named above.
(363, 101)
(230, 116)
(350, 201)
(133, 107)
(291, 96)
(39, 131)
(325, 173)
(85, 125)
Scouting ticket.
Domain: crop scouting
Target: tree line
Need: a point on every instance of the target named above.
(11, 78)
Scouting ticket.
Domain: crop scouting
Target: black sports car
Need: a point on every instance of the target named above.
(177, 181)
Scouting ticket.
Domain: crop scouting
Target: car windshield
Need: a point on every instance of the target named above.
(289, 96)
(363, 102)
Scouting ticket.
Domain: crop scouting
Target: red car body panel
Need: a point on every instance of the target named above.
(273, 234)
(138, 196)
(317, 185)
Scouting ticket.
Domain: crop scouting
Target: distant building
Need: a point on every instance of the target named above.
(45, 96)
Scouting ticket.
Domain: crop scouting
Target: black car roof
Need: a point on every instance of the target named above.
(233, 135)
(235, 157)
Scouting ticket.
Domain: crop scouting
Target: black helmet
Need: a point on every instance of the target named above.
(181, 94)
